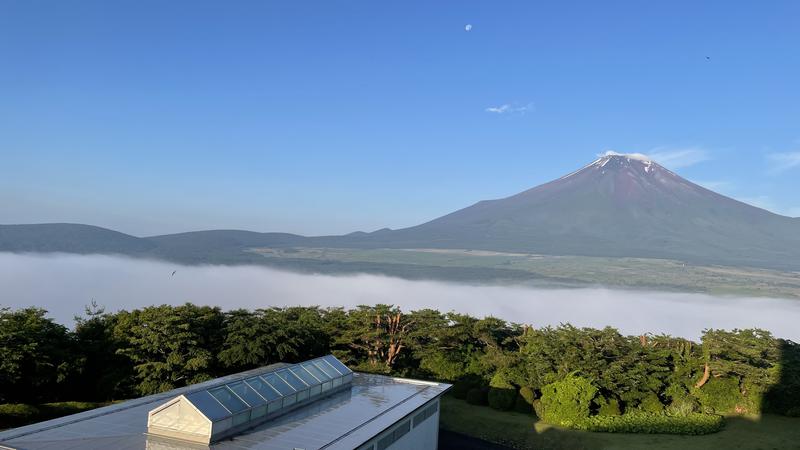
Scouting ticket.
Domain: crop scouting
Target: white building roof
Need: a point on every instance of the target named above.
(343, 420)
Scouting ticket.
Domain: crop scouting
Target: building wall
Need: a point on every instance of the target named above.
(417, 431)
(423, 437)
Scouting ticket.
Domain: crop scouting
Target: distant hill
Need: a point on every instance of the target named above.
(616, 206)
(70, 238)
(220, 246)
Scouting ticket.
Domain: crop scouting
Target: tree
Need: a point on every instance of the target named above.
(377, 335)
(170, 346)
(36, 356)
(741, 353)
(271, 335)
(102, 372)
(567, 402)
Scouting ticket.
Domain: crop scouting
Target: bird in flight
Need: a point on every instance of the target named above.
(708, 58)
(173, 273)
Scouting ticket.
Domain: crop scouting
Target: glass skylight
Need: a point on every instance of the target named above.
(235, 405)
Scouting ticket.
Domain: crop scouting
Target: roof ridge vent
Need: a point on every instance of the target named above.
(226, 409)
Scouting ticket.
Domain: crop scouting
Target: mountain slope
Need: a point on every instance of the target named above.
(69, 238)
(219, 246)
(619, 205)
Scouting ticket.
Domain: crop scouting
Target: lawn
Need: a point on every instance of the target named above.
(766, 432)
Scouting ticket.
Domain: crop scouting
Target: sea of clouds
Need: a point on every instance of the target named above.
(65, 284)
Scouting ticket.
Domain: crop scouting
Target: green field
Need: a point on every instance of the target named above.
(523, 431)
(556, 271)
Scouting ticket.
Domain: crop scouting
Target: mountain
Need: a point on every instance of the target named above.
(220, 246)
(616, 206)
(70, 238)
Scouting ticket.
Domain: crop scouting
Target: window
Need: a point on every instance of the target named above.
(419, 418)
(279, 384)
(304, 375)
(246, 393)
(402, 429)
(228, 399)
(337, 364)
(264, 389)
(314, 370)
(327, 368)
(292, 380)
(386, 441)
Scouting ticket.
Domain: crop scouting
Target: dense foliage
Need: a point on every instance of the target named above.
(642, 422)
(566, 374)
(567, 402)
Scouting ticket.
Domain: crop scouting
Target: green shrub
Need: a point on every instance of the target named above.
(567, 402)
(524, 400)
(719, 395)
(675, 391)
(463, 385)
(443, 366)
(460, 389)
(642, 422)
(608, 407)
(521, 405)
(682, 406)
(478, 396)
(501, 393)
(651, 403)
(793, 411)
(52, 410)
(527, 394)
(537, 408)
(19, 410)
(16, 414)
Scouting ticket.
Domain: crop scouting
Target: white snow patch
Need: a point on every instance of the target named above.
(584, 167)
(636, 156)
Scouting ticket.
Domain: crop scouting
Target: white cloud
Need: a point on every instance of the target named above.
(676, 158)
(117, 283)
(508, 108)
(783, 161)
(639, 156)
(673, 158)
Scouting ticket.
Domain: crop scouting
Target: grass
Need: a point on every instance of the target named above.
(12, 416)
(637, 273)
(524, 431)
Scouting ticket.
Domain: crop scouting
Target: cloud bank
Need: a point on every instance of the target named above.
(64, 284)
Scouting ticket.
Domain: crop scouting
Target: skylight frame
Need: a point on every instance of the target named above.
(260, 396)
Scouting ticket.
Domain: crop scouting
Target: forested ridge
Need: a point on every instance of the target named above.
(579, 377)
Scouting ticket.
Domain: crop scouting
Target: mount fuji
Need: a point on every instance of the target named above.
(620, 205)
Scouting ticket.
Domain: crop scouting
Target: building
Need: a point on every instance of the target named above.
(317, 404)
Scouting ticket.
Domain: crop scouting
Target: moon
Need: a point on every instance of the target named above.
(468, 27)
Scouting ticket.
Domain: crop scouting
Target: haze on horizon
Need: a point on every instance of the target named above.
(116, 283)
(154, 117)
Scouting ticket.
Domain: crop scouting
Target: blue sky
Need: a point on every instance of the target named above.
(326, 117)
